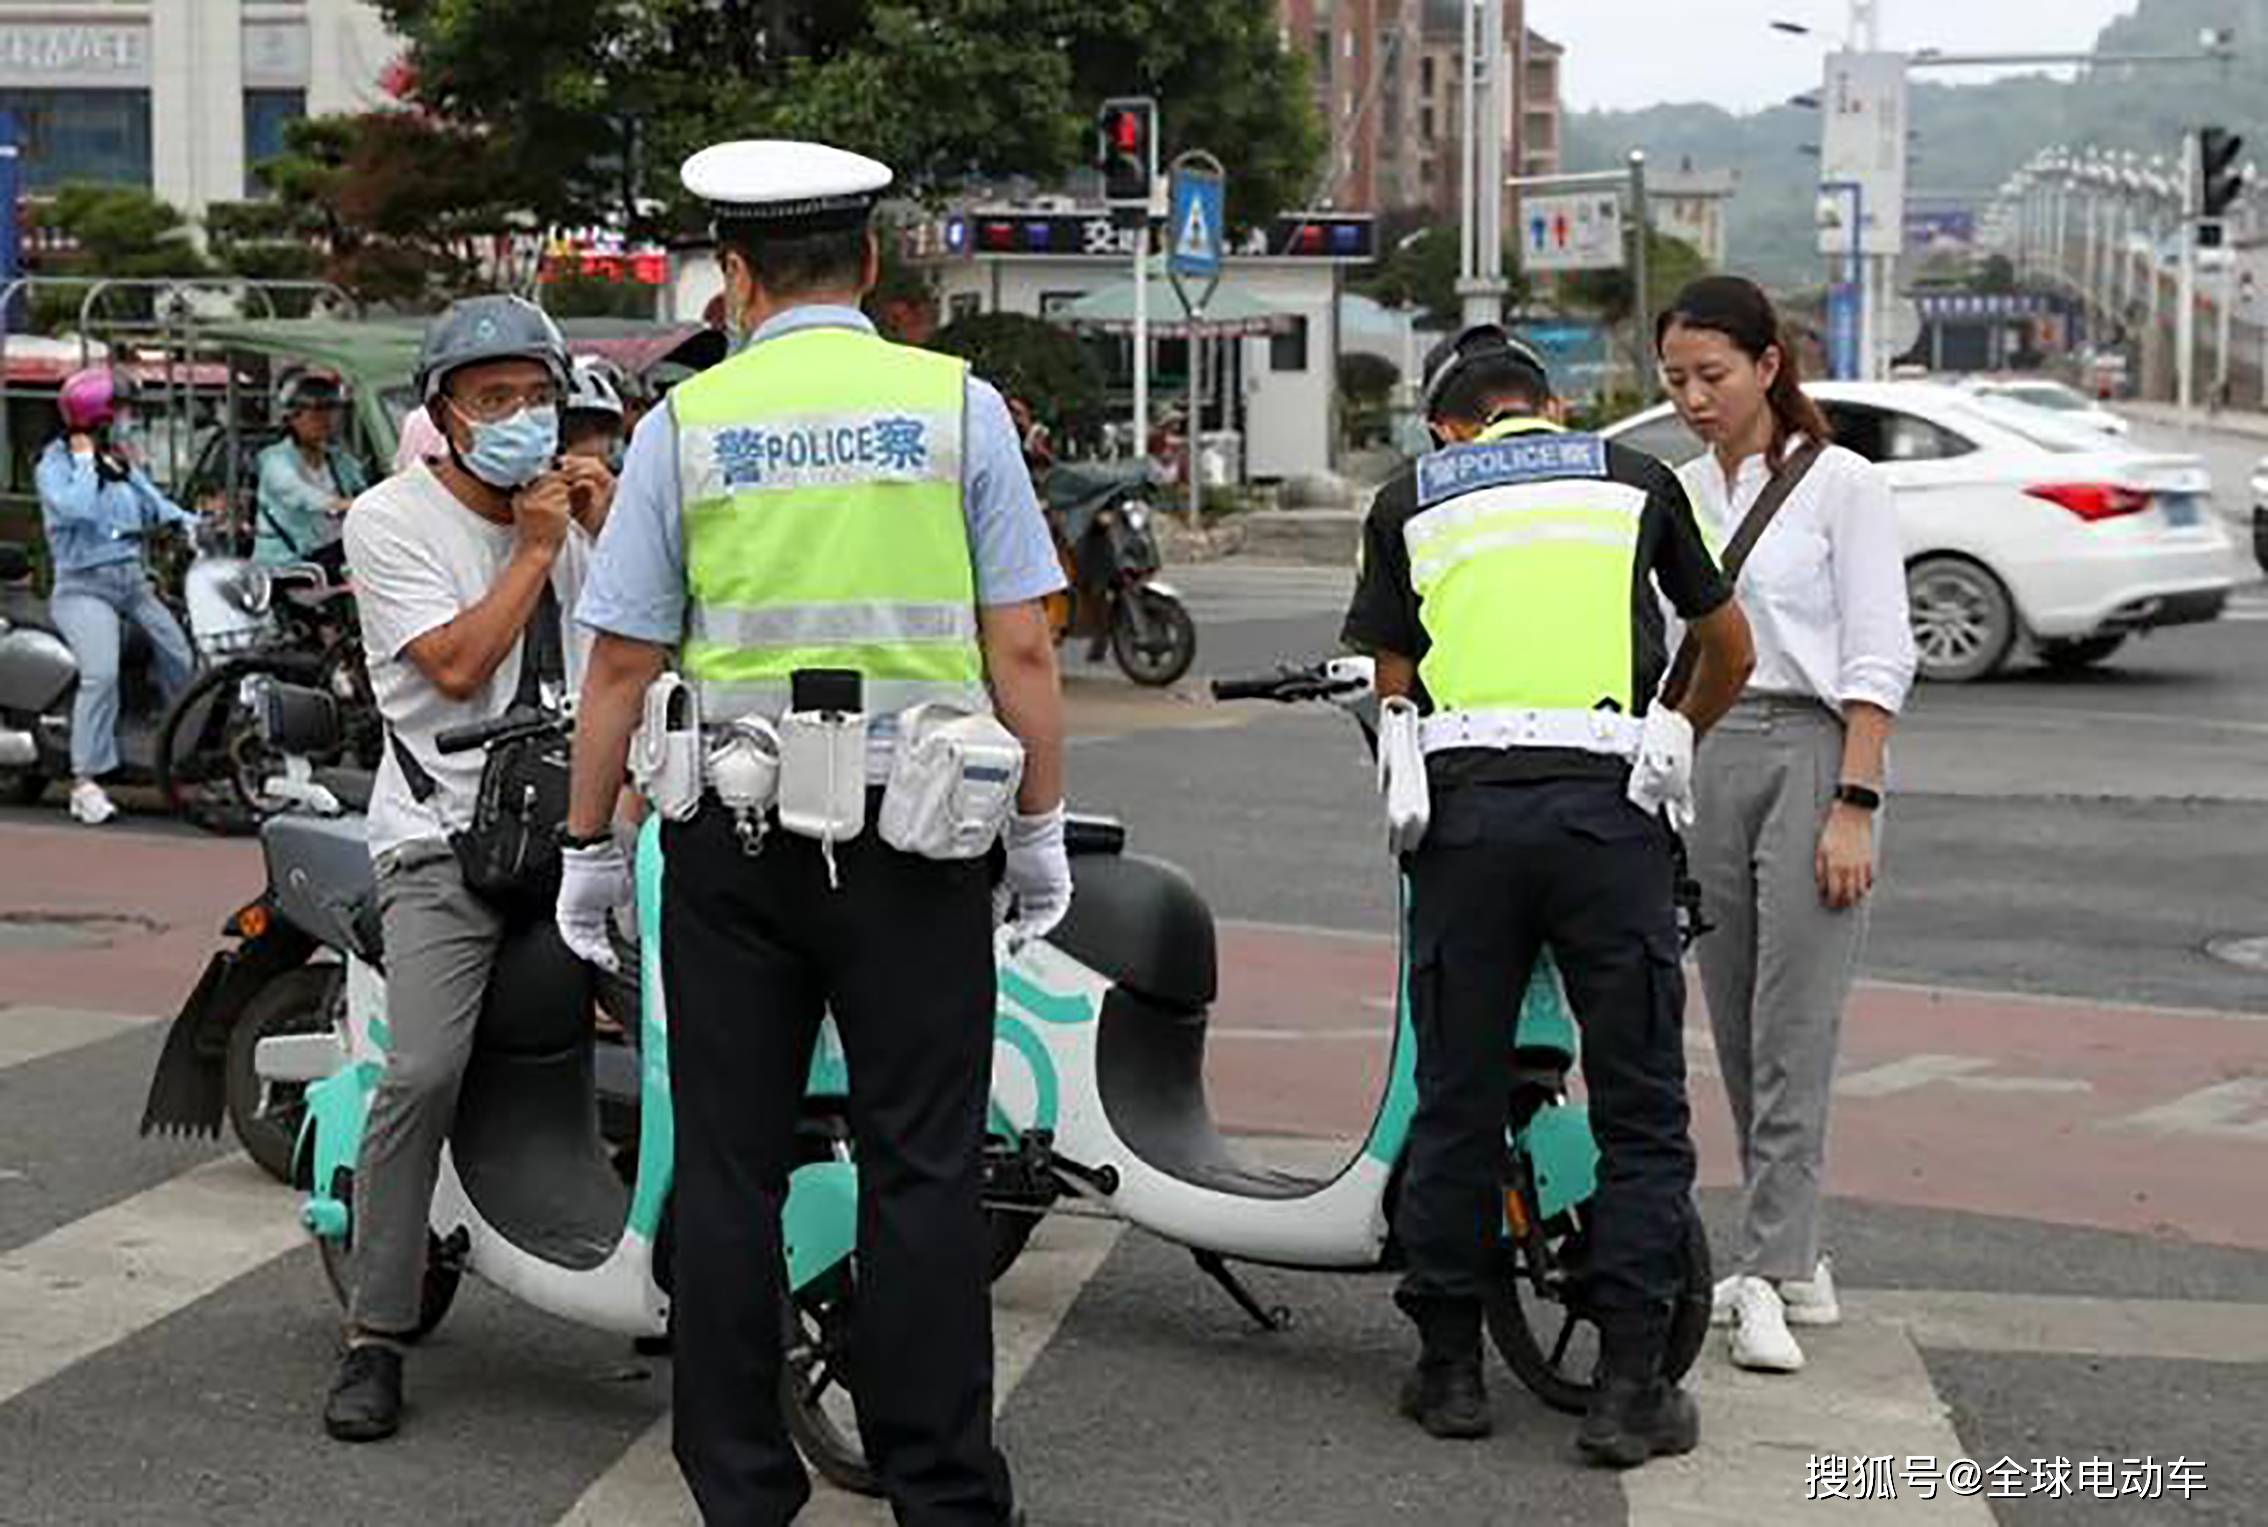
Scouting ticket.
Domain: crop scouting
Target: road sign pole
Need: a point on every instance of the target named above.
(1641, 314)
(2185, 315)
(1196, 233)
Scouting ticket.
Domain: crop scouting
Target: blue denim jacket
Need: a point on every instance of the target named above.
(89, 521)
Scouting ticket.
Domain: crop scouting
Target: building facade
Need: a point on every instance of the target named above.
(184, 97)
(1389, 84)
(1690, 204)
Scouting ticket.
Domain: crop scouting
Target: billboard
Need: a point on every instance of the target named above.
(1862, 142)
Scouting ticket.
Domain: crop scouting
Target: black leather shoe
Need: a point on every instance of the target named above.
(1448, 1399)
(366, 1397)
(1630, 1422)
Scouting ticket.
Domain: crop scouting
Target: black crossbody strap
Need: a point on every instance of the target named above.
(1752, 527)
(543, 657)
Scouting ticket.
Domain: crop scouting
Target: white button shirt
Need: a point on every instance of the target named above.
(1824, 588)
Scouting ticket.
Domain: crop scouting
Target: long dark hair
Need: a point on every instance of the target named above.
(1737, 308)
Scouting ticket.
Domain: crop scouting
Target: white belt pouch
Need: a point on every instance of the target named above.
(953, 783)
(823, 774)
(665, 755)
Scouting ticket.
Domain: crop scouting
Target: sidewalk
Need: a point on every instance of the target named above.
(2232, 421)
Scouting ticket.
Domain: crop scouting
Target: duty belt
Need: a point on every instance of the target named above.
(1584, 731)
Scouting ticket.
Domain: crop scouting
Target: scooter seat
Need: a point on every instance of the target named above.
(539, 995)
(353, 787)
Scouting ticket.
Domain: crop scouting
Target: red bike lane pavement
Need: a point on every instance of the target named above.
(2139, 1119)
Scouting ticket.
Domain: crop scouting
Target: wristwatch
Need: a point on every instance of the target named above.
(583, 840)
(1864, 797)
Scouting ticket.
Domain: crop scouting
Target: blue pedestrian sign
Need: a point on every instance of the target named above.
(1195, 237)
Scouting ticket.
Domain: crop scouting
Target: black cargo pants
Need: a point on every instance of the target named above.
(756, 950)
(1505, 869)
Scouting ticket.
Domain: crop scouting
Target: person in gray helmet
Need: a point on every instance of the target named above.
(461, 565)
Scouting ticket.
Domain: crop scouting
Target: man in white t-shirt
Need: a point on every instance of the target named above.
(451, 561)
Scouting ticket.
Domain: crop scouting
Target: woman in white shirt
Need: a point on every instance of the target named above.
(1788, 785)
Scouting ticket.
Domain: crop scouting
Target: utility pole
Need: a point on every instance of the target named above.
(1487, 100)
(2185, 319)
(1641, 312)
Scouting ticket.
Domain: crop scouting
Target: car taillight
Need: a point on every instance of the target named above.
(2093, 501)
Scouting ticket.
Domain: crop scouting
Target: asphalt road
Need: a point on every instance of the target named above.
(2054, 1122)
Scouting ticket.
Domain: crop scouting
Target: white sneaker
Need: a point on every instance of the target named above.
(1721, 1300)
(90, 804)
(1760, 1339)
(1813, 1303)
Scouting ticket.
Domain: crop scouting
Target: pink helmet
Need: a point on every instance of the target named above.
(90, 398)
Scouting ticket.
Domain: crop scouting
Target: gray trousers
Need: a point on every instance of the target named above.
(441, 943)
(1777, 971)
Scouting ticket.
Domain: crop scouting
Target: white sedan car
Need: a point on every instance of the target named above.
(2017, 537)
(2067, 403)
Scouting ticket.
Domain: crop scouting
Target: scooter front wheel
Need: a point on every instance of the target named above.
(815, 1392)
(1544, 1326)
(1155, 646)
(443, 1270)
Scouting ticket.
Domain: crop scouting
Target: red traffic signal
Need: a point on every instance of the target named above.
(1126, 149)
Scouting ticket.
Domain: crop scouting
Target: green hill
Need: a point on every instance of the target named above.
(1971, 136)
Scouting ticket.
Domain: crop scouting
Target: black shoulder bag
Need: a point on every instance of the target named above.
(510, 853)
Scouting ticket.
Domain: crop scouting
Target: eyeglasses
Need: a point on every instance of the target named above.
(501, 400)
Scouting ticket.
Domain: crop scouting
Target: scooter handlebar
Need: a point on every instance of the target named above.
(482, 734)
(1268, 688)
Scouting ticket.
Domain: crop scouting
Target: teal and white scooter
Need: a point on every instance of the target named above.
(1098, 1101)
(534, 1196)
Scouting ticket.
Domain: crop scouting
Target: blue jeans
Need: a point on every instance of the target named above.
(90, 606)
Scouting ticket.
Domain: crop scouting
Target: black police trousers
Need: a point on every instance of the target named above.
(756, 949)
(1504, 870)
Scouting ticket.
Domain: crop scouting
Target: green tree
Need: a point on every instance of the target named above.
(1418, 268)
(401, 203)
(1032, 359)
(119, 232)
(590, 105)
(1670, 264)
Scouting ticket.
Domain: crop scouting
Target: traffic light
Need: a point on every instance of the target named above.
(1126, 149)
(2220, 179)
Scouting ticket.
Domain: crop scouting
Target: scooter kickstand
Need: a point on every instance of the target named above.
(1211, 1265)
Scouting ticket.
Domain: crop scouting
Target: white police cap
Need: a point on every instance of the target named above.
(780, 180)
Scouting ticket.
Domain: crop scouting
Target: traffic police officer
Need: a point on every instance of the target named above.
(824, 500)
(1508, 589)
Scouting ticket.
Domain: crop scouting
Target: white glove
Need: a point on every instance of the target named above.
(593, 881)
(1661, 776)
(1401, 774)
(1039, 874)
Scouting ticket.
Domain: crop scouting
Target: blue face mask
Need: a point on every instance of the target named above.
(513, 452)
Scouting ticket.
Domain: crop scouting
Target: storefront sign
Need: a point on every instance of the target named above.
(54, 53)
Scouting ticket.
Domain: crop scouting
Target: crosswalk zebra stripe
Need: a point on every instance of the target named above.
(99, 1280)
(643, 1489)
(29, 1033)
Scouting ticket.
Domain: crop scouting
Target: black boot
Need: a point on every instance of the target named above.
(1445, 1393)
(1637, 1414)
(366, 1397)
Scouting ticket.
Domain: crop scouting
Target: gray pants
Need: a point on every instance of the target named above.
(1778, 969)
(441, 943)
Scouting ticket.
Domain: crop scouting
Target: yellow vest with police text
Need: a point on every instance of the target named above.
(820, 477)
(1523, 554)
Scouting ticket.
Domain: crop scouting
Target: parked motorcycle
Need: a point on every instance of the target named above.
(1100, 513)
(285, 968)
(252, 624)
(39, 677)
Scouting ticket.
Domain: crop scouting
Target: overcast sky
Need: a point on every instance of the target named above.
(1624, 53)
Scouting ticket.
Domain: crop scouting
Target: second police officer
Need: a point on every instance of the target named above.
(1508, 589)
(825, 524)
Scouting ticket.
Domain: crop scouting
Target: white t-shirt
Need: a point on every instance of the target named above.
(420, 558)
(1825, 588)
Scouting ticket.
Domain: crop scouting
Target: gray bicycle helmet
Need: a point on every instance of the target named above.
(1481, 342)
(592, 388)
(491, 328)
(307, 387)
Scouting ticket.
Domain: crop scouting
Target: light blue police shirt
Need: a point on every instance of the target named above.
(636, 584)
